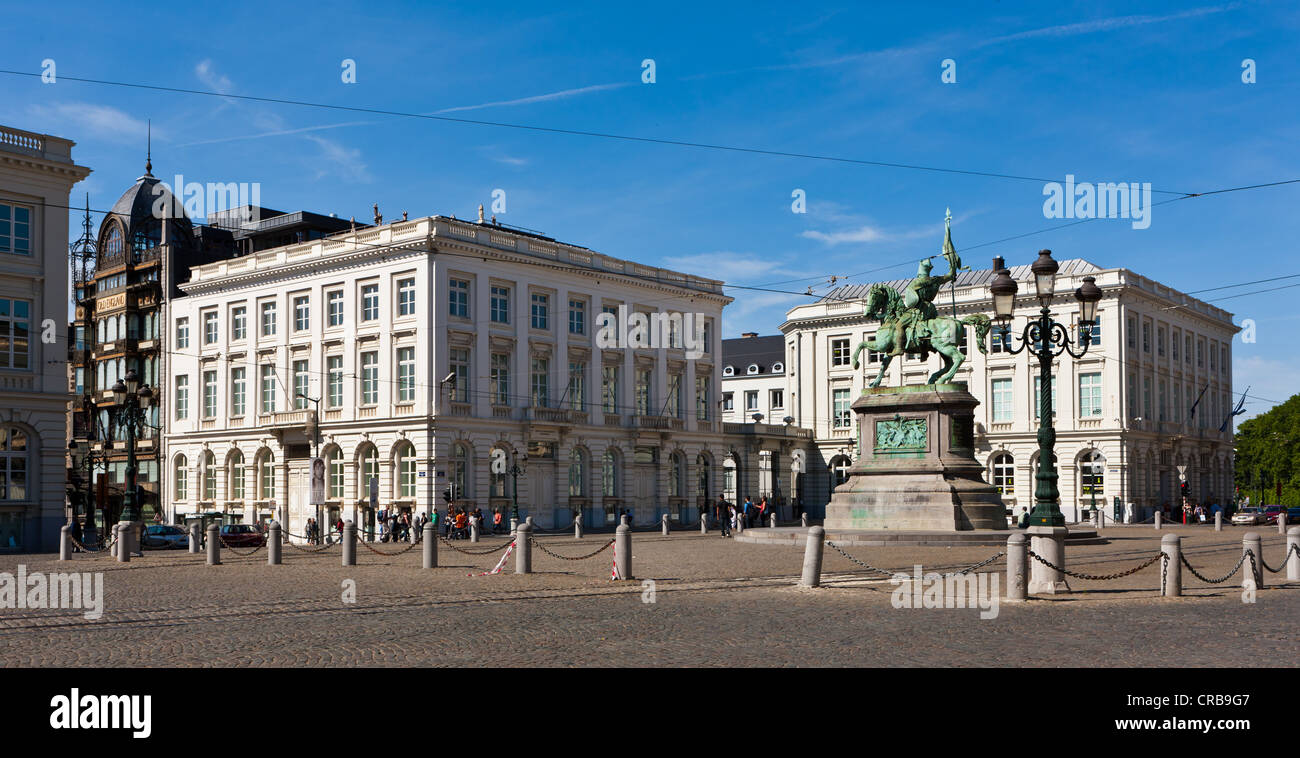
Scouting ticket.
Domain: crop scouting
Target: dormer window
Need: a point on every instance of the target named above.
(728, 371)
(778, 368)
(753, 368)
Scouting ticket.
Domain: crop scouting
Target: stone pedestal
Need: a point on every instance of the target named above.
(1048, 542)
(916, 468)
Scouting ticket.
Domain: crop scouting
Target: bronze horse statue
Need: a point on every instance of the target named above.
(928, 333)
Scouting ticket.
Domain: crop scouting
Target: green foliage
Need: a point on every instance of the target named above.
(1268, 451)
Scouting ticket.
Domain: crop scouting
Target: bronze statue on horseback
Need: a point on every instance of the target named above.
(910, 323)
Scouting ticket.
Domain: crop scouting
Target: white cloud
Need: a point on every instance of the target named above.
(560, 95)
(209, 76)
(860, 234)
(102, 121)
(336, 158)
(276, 133)
(1108, 24)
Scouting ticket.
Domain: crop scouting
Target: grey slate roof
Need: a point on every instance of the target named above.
(964, 279)
(740, 352)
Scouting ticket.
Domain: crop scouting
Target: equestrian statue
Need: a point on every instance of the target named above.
(910, 323)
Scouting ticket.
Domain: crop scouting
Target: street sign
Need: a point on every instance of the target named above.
(1182, 473)
(317, 473)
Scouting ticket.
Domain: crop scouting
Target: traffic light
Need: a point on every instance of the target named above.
(1183, 488)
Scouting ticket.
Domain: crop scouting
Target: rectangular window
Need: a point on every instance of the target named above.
(301, 385)
(1003, 401)
(674, 403)
(301, 314)
(728, 401)
(500, 305)
(609, 389)
(708, 337)
(370, 302)
(334, 308)
(15, 229)
(1162, 399)
(839, 352)
(996, 342)
(405, 297)
(458, 297)
(776, 399)
(541, 383)
(500, 377)
(1178, 403)
(578, 385)
(237, 396)
(268, 389)
(577, 317)
(406, 375)
(751, 400)
(1132, 397)
(238, 323)
(1089, 395)
(268, 319)
(209, 394)
(210, 328)
(540, 311)
(643, 392)
(459, 358)
(1037, 399)
(1146, 398)
(703, 393)
(182, 397)
(370, 378)
(1132, 332)
(841, 413)
(15, 326)
(1160, 341)
(334, 375)
(1173, 344)
(182, 333)
(1212, 352)
(1200, 353)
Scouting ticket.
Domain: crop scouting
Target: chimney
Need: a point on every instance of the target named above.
(748, 334)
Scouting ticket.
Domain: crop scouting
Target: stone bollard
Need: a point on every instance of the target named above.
(196, 538)
(623, 549)
(771, 520)
(664, 521)
(1254, 543)
(812, 558)
(1293, 554)
(124, 546)
(112, 541)
(349, 543)
(1048, 542)
(273, 544)
(1017, 567)
(532, 525)
(214, 544)
(625, 520)
(1172, 546)
(1157, 521)
(704, 522)
(65, 543)
(514, 526)
(430, 546)
(803, 519)
(577, 527)
(1218, 521)
(473, 531)
(524, 549)
(740, 523)
(1281, 523)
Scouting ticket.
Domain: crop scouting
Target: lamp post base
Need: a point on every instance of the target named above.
(1047, 542)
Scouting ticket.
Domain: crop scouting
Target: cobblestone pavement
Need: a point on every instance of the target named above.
(717, 603)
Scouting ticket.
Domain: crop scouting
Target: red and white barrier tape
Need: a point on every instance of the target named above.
(613, 572)
(500, 564)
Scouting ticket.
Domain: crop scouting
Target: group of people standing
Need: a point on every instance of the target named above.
(749, 514)
(459, 519)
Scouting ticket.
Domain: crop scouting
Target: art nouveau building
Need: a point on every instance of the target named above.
(424, 345)
(1122, 412)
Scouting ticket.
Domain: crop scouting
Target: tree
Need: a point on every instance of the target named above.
(1268, 452)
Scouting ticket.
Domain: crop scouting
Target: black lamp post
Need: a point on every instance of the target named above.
(83, 457)
(1046, 339)
(131, 402)
(515, 470)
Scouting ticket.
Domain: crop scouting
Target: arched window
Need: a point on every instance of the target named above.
(459, 471)
(753, 368)
(609, 474)
(839, 471)
(180, 478)
(236, 475)
(368, 470)
(729, 478)
(1003, 473)
(14, 454)
(113, 243)
(577, 473)
(676, 475)
(334, 467)
(1092, 473)
(728, 371)
(405, 470)
(268, 475)
(703, 474)
(778, 367)
(209, 475)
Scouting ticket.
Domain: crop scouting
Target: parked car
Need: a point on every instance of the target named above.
(241, 535)
(1248, 516)
(1293, 515)
(165, 536)
(1271, 512)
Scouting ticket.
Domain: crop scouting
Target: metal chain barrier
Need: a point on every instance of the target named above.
(1226, 576)
(236, 552)
(542, 547)
(981, 564)
(94, 551)
(302, 549)
(867, 566)
(1164, 571)
(406, 549)
(1095, 577)
(489, 551)
(1279, 569)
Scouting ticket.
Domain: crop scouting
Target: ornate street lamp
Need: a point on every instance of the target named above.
(1046, 339)
(131, 403)
(515, 470)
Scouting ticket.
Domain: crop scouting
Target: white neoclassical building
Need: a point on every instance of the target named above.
(425, 345)
(1123, 412)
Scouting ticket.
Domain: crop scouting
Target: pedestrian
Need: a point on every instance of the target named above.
(722, 516)
(496, 521)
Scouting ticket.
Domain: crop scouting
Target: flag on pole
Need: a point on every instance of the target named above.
(1237, 411)
(1192, 413)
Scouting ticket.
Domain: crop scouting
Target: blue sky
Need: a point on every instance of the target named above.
(1136, 92)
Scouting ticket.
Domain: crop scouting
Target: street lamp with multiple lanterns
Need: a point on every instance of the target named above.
(130, 404)
(1046, 339)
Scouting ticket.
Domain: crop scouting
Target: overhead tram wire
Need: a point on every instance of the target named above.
(556, 130)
